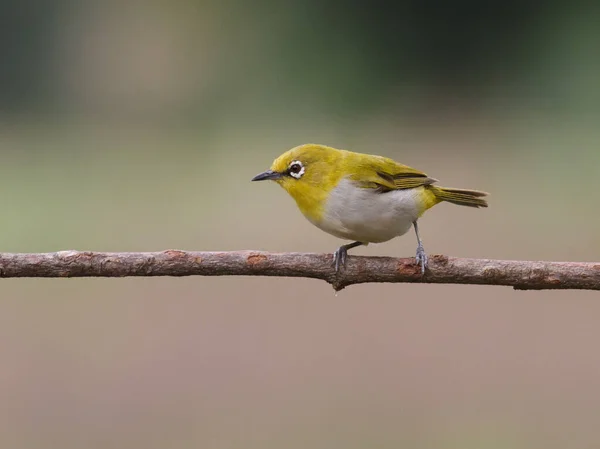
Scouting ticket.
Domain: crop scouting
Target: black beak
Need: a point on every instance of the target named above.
(269, 174)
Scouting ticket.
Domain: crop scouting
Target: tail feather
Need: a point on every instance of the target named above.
(462, 197)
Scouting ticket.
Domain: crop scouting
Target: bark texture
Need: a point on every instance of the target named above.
(521, 275)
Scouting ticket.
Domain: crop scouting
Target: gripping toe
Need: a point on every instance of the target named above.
(421, 259)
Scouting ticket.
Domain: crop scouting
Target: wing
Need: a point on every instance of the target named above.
(383, 174)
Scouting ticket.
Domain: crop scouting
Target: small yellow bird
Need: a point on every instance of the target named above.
(361, 197)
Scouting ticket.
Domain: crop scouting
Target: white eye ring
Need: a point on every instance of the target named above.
(296, 174)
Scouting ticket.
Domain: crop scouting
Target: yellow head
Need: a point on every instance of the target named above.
(308, 173)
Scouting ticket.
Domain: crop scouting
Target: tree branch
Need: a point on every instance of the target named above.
(521, 275)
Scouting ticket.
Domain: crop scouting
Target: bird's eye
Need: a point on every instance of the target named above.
(296, 169)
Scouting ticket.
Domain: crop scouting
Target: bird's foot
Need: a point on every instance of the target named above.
(340, 255)
(339, 258)
(421, 258)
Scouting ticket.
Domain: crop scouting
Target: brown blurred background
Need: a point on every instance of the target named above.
(137, 126)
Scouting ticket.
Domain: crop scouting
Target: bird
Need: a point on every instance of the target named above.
(361, 197)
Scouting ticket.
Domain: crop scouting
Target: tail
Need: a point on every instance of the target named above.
(471, 198)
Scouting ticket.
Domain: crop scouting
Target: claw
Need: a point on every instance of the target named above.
(421, 258)
(339, 258)
(340, 255)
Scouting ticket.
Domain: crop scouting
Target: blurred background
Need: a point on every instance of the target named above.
(137, 126)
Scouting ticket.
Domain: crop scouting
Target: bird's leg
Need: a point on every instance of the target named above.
(340, 255)
(421, 257)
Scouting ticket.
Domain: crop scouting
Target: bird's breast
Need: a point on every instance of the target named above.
(368, 216)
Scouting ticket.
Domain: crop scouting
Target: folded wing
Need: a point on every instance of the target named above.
(385, 174)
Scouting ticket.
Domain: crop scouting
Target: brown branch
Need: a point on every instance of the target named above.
(522, 275)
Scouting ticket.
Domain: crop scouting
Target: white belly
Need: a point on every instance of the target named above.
(367, 216)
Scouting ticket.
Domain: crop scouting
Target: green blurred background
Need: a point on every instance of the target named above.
(137, 126)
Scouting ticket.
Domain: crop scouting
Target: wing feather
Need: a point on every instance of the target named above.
(383, 174)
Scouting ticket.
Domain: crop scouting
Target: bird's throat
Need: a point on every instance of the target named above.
(310, 200)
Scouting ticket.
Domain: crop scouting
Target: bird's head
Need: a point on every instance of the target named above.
(308, 173)
(305, 166)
